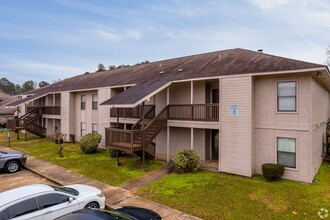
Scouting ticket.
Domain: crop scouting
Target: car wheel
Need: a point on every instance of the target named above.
(92, 205)
(12, 166)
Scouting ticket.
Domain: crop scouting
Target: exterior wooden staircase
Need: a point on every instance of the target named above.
(29, 123)
(140, 137)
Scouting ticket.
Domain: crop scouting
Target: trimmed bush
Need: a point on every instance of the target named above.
(88, 144)
(114, 152)
(272, 171)
(186, 161)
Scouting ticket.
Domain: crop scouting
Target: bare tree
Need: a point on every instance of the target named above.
(328, 56)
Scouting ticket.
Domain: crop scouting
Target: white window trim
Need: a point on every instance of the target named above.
(97, 127)
(81, 101)
(82, 129)
(97, 102)
(297, 95)
(297, 152)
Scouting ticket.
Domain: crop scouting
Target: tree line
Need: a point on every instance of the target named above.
(10, 88)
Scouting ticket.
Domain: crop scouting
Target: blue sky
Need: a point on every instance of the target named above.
(57, 39)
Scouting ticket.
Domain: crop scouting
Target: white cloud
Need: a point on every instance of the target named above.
(16, 36)
(35, 69)
(178, 8)
(269, 4)
(105, 34)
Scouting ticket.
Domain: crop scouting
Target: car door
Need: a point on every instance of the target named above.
(2, 161)
(24, 210)
(54, 205)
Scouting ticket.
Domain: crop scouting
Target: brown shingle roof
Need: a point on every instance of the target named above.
(149, 77)
(4, 101)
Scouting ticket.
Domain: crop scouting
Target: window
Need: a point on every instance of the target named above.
(4, 214)
(22, 208)
(94, 128)
(286, 152)
(52, 199)
(83, 102)
(286, 96)
(94, 101)
(83, 129)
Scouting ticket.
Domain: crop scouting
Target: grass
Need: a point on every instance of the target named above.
(99, 166)
(223, 196)
(204, 194)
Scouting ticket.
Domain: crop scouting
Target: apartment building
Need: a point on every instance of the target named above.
(237, 108)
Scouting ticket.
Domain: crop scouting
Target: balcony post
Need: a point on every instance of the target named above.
(143, 139)
(117, 117)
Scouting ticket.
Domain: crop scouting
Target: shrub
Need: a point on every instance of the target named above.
(88, 144)
(114, 152)
(272, 171)
(186, 161)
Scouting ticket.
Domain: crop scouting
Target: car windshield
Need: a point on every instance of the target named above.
(66, 190)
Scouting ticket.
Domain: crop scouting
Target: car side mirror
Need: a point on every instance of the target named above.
(71, 199)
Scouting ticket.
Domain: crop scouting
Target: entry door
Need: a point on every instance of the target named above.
(215, 95)
(215, 145)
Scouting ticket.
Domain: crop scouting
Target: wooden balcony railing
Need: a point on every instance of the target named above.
(128, 140)
(51, 110)
(194, 112)
(47, 110)
(12, 123)
(133, 112)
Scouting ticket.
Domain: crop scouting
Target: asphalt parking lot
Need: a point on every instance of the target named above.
(21, 178)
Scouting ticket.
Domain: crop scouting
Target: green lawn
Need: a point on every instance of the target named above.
(99, 166)
(222, 196)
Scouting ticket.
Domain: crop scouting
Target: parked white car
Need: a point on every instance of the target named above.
(41, 201)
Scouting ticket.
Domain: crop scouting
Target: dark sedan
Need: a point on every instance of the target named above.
(11, 162)
(121, 213)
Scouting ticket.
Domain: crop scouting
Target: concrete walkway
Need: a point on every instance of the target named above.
(151, 177)
(115, 196)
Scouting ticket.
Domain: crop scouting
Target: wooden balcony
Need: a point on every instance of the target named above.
(51, 110)
(47, 110)
(128, 140)
(12, 123)
(194, 112)
(133, 112)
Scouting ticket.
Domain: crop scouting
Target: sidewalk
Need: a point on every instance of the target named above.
(151, 177)
(115, 196)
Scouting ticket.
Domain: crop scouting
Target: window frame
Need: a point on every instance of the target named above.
(93, 131)
(41, 203)
(10, 214)
(295, 152)
(278, 96)
(94, 103)
(82, 129)
(83, 102)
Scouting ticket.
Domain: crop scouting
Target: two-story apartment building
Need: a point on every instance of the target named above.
(236, 108)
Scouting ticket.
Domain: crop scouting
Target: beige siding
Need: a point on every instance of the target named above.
(72, 113)
(103, 119)
(270, 124)
(235, 132)
(180, 93)
(161, 100)
(199, 92)
(320, 115)
(65, 112)
(88, 115)
(199, 142)
(161, 144)
(179, 139)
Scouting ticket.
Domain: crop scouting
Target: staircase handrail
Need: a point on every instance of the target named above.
(158, 116)
(29, 113)
(140, 120)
